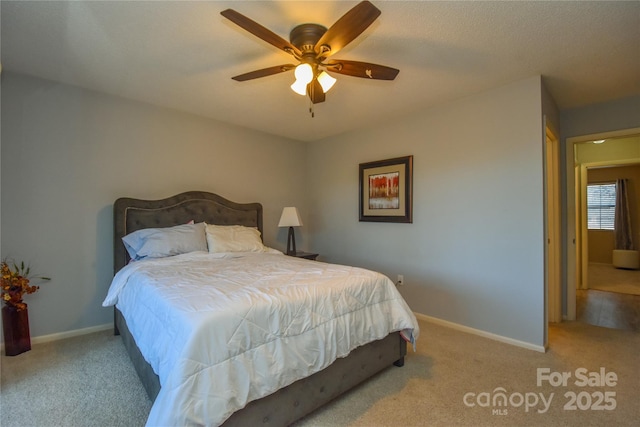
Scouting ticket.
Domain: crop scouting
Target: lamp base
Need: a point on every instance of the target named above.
(291, 242)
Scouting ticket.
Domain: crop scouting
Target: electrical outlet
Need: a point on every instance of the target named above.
(400, 280)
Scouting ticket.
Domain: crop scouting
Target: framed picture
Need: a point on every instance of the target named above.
(386, 193)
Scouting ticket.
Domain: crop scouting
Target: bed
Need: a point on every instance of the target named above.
(298, 396)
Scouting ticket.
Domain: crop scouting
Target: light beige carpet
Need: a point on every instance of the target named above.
(605, 277)
(430, 390)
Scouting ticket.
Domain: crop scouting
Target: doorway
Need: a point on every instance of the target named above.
(577, 241)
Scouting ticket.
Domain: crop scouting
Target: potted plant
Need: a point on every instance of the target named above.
(15, 281)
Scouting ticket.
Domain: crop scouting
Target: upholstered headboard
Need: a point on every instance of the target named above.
(134, 214)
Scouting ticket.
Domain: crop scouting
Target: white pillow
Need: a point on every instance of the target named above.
(233, 238)
(163, 242)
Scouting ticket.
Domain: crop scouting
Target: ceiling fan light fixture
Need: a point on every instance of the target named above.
(304, 73)
(299, 87)
(326, 81)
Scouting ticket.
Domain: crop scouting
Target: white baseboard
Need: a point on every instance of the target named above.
(67, 334)
(446, 323)
(481, 333)
(70, 334)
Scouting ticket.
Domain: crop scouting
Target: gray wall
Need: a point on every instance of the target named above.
(68, 153)
(474, 254)
(605, 117)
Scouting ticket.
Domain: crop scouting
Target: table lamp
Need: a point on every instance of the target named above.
(290, 218)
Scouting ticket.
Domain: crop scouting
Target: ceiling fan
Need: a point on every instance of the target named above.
(312, 45)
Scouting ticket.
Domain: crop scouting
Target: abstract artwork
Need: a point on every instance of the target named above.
(386, 190)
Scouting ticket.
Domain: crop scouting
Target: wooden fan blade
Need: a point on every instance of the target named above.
(260, 31)
(264, 72)
(347, 28)
(362, 69)
(314, 90)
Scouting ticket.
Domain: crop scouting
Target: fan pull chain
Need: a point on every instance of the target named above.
(313, 114)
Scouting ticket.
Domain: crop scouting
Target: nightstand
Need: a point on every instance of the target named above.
(305, 255)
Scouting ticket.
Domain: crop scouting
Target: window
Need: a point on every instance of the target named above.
(601, 206)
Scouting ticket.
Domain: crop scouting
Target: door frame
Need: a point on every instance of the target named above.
(553, 243)
(576, 241)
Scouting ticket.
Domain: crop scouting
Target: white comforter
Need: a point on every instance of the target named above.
(223, 330)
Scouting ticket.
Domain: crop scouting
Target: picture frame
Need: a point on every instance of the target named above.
(386, 190)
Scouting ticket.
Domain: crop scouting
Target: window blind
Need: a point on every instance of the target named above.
(601, 206)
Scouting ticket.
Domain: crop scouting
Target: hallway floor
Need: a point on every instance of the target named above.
(608, 309)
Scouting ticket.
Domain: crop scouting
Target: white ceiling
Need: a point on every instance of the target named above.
(182, 55)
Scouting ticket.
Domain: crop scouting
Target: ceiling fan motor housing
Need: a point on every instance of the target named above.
(305, 37)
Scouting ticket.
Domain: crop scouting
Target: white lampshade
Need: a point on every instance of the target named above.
(299, 87)
(304, 73)
(326, 81)
(290, 218)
